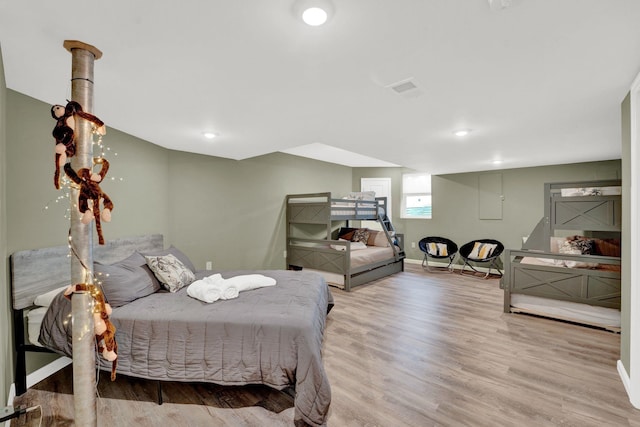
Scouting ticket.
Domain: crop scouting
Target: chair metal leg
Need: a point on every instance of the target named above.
(425, 264)
(488, 273)
(450, 266)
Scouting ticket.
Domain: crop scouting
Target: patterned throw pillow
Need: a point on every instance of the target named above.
(171, 273)
(442, 249)
(578, 247)
(584, 246)
(437, 249)
(482, 250)
(361, 235)
(432, 248)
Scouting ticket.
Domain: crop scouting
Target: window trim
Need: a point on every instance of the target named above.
(405, 195)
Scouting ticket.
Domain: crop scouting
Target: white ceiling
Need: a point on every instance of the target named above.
(538, 83)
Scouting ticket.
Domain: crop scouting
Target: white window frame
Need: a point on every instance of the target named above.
(409, 190)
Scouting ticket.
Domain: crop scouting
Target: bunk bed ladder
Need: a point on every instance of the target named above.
(390, 231)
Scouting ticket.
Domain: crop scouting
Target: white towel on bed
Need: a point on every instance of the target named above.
(213, 288)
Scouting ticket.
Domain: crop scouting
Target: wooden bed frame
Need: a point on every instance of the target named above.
(321, 215)
(34, 272)
(596, 287)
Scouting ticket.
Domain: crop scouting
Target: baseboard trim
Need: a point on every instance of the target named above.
(38, 375)
(624, 377)
(444, 265)
(626, 381)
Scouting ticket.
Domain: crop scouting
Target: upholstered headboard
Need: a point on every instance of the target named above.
(34, 272)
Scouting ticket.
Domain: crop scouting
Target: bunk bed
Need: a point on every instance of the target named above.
(319, 238)
(569, 267)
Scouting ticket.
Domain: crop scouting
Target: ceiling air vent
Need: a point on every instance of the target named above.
(403, 86)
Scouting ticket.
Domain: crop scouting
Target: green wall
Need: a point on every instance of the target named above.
(6, 347)
(140, 198)
(232, 212)
(455, 202)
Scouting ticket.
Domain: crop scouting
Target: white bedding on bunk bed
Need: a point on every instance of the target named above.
(567, 310)
(347, 206)
(591, 191)
(359, 258)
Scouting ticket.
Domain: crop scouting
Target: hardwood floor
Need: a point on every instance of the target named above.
(413, 349)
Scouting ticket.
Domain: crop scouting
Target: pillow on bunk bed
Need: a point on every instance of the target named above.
(346, 233)
(361, 235)
(585, 245)
(578, 245)
(607, 247)
(361, 195)
(377, 238)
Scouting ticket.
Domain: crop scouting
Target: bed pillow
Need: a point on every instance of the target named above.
(126, 280)
(377, 238)
(482, 250)
(346, 233)
(577, 246)
(361, 235)
(362, 195)
(176, 253)
(584, 245)
(607, 247)
(170, 271)
(44, 300)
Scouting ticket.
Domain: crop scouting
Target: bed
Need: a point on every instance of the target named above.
(270, 336)
(569, 267)
(320, 238)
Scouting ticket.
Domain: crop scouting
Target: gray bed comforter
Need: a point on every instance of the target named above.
(270, 336)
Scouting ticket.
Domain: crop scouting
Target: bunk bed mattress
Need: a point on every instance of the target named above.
(572, 311)
(269, 336)
(371, 255)
(556, 262)
(341, 209)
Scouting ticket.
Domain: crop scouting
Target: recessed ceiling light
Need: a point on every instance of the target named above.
(313, 12)
(209, 135)
(314, 16)
(497, 162)
(462, 132)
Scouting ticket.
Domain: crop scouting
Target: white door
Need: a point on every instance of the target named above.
(382, 188)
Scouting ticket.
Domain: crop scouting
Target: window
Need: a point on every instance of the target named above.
(416, 196)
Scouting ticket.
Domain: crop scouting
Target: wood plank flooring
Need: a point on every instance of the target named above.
(413, 349)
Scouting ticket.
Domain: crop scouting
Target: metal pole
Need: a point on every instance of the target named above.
(81, 240)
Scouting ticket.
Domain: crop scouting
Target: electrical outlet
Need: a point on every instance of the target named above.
(209, 265)
(413, 245)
